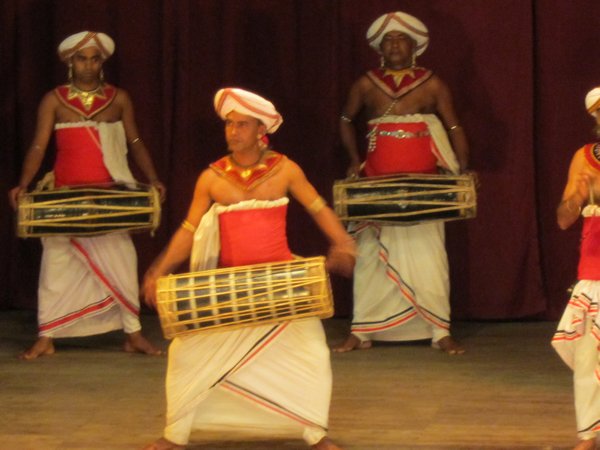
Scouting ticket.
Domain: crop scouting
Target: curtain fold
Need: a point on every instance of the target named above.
(518, 71)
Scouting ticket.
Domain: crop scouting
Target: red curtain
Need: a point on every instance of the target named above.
(518, 69)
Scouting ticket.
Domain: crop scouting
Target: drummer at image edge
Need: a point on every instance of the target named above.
(410, 117)
(87, 285)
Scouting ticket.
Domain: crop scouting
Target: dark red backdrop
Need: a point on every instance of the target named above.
(519, 71)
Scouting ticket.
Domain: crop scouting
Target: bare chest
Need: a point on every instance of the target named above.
(418, 101)
(112, 113)
(225, 192)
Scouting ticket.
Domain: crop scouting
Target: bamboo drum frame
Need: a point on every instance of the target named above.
(88, 210)
(235, 297)
(406, 198)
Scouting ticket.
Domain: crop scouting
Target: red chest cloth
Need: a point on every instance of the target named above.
(401, 155)
(79, 158)
(589, 260)
(253, 236)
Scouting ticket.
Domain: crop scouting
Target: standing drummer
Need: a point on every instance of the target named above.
(401, 281)
(87, 285)
(273, 378)
(577, 337)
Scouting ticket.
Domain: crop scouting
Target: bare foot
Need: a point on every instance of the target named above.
(163, 444)
(448, 345)
(352, 342)
(135, 342)
(325, 444)
(586, 444)
(43, 346)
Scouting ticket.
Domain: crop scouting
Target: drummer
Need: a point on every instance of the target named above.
(401, 282)
(87, 285)
(267, 377)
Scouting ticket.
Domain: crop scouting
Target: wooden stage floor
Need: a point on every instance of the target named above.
(510, 391)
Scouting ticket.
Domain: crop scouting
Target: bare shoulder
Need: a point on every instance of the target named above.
(578, 162)
(50, 99)
(122, 97)
(579, 156)
(363, 84)
(436, 84)
(207, 176)
(290, 167)
(48, 107)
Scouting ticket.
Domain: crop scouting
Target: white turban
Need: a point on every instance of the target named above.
(248, 103)
(85, 39)
(398, 21)
(592, 101)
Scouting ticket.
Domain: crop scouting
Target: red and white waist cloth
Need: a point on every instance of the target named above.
(253, 236)
(589, 259)
(413, 143)
(248, 232)
(91, 153)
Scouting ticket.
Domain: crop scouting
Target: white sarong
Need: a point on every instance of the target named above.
(270, 380)
(576, 341)
(401, 290)
(89, 285)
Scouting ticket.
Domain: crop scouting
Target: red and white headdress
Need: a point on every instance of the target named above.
(85, 39)
(592, 101)
(248, 103)
(398, 21)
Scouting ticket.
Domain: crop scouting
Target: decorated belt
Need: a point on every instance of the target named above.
(401, 134)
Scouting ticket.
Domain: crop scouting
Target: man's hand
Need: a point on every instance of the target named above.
(162, 190)
(354, 170)
(342, 258)
(149, 288)
(13, 196)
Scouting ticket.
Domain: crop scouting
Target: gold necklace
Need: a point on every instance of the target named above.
(247, 169)
(247, 166)
(85, 97)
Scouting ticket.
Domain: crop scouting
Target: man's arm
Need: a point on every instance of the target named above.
(180, 245)
(46, 117)
(353, 105)
(456, 133)
(139, 151)
(342, 254)
(576, 192)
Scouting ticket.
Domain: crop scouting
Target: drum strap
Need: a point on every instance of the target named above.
(372, 135)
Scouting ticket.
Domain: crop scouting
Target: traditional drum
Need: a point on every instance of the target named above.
(234, 297)
(406, 198)
(88, 210)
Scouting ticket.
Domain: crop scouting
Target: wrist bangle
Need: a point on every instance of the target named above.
(136, 140)
(454, 128)
(345, 118)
